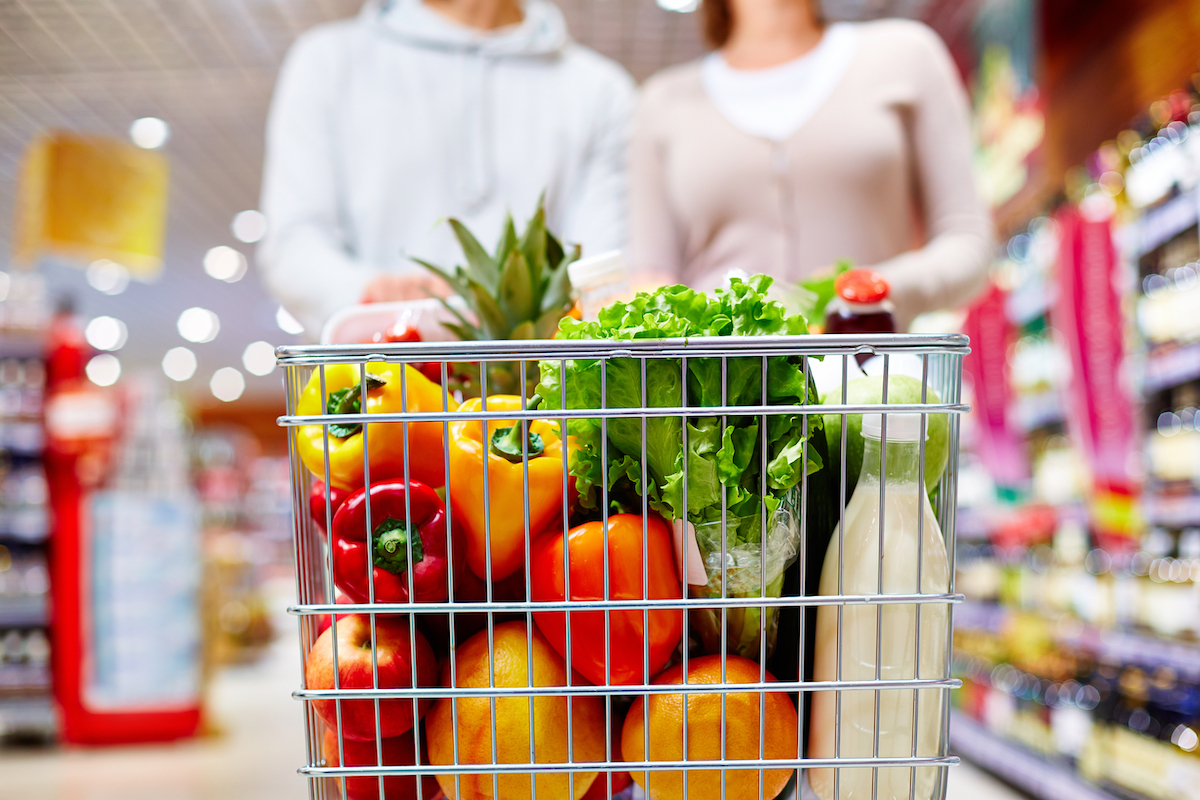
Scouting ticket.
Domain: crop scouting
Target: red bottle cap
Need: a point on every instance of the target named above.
(861, 286)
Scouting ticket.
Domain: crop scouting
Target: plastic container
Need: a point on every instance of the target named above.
(600, 280)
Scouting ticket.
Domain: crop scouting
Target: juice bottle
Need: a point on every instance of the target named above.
(912, 544)
(860, 305)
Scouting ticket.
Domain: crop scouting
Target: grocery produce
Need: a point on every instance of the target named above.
(393, 654)
(627, 640)
(403, 332)
(325, 620)
(506, 455)
(724, 458)
(601, 789)
(866, 390)
(316, 503)
(343, 387)
(398, 751)
(510, 655)
(406, 521)
(742, 724)
(519, 292)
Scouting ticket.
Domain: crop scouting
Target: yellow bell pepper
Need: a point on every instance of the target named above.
(386, 439)
(506, 484)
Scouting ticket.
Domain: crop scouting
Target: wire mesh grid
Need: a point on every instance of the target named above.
(818, 667)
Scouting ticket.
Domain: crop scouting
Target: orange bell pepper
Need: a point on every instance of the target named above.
(505, 482)
(386, 439)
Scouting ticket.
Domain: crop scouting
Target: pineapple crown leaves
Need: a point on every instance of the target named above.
(520, 291)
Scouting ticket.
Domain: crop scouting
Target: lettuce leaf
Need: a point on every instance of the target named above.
(720, 461)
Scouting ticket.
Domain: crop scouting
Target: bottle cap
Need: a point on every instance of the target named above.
(597, 269)
(861, 286)
(900, 427)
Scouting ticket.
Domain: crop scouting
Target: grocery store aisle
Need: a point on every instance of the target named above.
(253, 756)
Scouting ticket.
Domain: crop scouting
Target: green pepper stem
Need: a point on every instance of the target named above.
(506, 443)
(391, 546)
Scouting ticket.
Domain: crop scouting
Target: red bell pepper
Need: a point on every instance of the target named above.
(627, 642)
(400, 332)
(316, 502)
(391, 531)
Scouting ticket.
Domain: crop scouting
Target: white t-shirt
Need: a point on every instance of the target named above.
(773, 103)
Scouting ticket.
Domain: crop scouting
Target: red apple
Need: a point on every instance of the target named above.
(323, 620)
(394, 668)
(397, 752)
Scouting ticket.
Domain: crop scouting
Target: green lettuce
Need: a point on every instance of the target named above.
(723, 461)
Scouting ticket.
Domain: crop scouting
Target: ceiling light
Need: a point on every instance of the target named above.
(249, 226)
(227, 384)
(681, 6)
(179, 364)
(104, 369)
(149, 132)
(107, 276)
(198, 325)
(5, 283)
(259, 358)
(225, 264)
(287, 323)
(106, 333)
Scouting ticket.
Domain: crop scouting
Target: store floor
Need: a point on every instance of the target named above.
(254, 756)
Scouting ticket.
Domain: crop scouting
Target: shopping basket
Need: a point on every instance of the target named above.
(559, 753)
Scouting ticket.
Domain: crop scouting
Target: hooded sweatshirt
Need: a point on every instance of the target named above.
(384, 125)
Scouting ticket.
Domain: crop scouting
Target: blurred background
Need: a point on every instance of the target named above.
(1079, 645)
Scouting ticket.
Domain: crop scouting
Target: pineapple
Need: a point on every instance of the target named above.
(519, 292)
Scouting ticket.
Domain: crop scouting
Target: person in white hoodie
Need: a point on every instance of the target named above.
(385, 124)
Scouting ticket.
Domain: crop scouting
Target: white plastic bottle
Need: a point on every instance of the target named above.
(600, 280)
(911, 535)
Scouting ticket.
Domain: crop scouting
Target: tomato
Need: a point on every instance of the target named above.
(627, 642)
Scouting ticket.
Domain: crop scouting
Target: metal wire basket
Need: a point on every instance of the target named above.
(565, 735)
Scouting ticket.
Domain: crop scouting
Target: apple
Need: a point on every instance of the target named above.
(397, 752)
(353, 670)
(861, 391)
(323, 620)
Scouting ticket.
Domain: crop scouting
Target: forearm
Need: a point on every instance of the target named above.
(947, 273)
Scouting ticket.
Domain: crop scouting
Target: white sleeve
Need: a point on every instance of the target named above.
(598, 215)
(951, 268)
(305, 259)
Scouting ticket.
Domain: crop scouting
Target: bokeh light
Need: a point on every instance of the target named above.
(179, 364)
(104, 369)
(198, 325)
(227, 384)
(106, 333)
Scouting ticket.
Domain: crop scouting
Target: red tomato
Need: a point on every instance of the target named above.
(627, 641)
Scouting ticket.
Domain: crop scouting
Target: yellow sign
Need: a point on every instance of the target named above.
(84, 198)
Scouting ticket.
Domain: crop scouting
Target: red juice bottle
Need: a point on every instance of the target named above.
(859, 306)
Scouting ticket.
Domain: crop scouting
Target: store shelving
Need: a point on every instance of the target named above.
(1041, 777)
(1168, 367)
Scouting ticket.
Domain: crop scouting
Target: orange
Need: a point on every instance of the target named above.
(704, 733)
(549, 724)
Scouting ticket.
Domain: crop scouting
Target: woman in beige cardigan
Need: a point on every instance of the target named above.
(795, 144)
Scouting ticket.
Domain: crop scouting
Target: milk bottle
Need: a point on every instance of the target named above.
(911, 535)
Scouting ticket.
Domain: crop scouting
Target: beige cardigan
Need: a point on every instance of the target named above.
(890, 147)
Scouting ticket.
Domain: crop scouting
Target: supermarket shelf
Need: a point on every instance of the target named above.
(1164, 222)
(27, 716)
(1172, 512)
(1038, 411)
(1129, 647)
(1172, 367)
(27, 612)
(1040, 777)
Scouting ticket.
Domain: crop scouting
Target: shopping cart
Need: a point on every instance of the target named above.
(873, 699)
